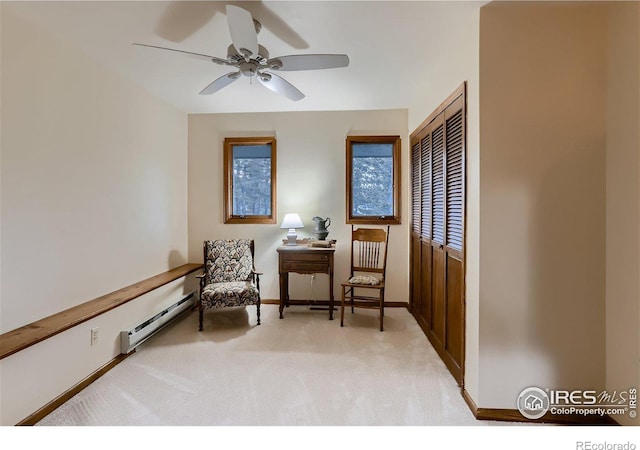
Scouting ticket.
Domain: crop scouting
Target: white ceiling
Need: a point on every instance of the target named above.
(385, 41)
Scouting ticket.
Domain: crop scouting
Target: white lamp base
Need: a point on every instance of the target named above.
(292, 237)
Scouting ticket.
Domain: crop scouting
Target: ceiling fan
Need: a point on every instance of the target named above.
(252, 60)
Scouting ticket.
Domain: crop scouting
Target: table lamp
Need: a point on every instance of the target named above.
(292, 221)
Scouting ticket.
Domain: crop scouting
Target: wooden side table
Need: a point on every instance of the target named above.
(305, 260)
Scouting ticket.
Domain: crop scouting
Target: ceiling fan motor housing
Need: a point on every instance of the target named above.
(233, 56)
(248, 69)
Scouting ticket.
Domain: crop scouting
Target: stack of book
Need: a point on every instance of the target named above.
(323, 244)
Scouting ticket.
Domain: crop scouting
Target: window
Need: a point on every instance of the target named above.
(250, 180)
(373, 179)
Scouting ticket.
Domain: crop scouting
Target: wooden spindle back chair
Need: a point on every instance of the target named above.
(368, 268)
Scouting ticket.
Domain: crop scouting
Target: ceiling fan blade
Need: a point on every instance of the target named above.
(308, 62)
(198, 55)
(221, 82)
(243, 30)
(280, 86)
(180, 20)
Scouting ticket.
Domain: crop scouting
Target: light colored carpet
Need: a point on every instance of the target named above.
(302, 370)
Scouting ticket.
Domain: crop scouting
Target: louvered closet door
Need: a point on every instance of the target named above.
(438, 310)
(416, 217)
(416, 205)
(454, 182)
(426, 231)
(454, 232)
(438, 229)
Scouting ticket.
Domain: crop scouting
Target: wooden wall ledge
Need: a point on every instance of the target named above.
(28, 335)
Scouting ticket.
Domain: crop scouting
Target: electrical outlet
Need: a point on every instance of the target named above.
(94, 336)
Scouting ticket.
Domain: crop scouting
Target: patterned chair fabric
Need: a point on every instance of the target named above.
(228, 260)
(229, 277)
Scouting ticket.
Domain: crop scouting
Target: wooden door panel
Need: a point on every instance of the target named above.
(438, 294)
(425, 269)
(455, 310)
(416, 275)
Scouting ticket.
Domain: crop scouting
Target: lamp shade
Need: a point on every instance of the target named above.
(292, 220)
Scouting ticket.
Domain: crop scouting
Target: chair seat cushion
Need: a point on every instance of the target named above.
(364, 279)
(230, 293)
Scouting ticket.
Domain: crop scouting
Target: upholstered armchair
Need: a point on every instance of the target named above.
(229, 277)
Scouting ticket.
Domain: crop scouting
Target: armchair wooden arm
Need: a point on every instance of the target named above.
(201, 278)
(256, 278)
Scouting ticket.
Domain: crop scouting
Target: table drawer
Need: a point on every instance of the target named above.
(310, 267)
(305, 257)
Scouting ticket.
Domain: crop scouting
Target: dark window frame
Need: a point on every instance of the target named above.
(229, 216)
(394, 219)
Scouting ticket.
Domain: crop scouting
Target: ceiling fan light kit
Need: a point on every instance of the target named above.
(252, 60)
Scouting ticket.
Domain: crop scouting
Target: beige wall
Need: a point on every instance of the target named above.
(623, 200)
(542, 198)
(310, 181)
(94, 198)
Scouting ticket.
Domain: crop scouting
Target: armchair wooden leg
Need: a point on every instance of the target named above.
(258, 311)
(200, 316)
(342, 309)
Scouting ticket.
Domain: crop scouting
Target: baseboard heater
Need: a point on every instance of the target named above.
(129, 340)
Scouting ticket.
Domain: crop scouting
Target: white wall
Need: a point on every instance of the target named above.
(623, 201)
(310, 181)
(542, 198)
(94, 198)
